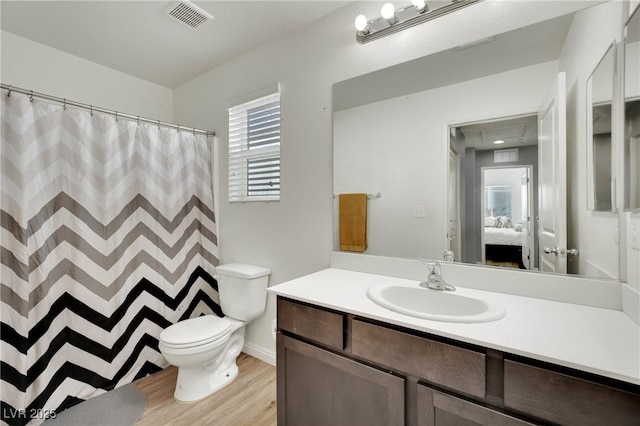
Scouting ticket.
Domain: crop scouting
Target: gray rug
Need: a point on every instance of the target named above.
(120, 407)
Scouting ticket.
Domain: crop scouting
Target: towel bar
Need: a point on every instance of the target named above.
(369, 196)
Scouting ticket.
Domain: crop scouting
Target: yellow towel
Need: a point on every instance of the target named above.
(353, 222)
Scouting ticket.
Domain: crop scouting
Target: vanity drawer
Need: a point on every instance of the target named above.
(567, 400)
(312, 323)
(440, 409)
(440, 363)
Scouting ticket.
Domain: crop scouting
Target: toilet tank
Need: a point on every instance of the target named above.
(243, 290)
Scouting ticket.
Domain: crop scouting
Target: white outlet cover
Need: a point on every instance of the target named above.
(418, 211)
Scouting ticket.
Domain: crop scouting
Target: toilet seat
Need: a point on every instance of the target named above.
(198, 331)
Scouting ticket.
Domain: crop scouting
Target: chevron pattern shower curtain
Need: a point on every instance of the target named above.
(108, 235)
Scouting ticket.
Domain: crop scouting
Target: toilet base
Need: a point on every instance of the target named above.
(197, 382)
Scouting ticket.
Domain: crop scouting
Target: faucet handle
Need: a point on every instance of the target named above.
(434, 267)
(448, 255)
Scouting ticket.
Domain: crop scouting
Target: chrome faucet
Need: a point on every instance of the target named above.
(434, 280)
(448, 256)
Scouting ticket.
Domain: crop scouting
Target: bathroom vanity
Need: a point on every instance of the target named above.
(343, 360)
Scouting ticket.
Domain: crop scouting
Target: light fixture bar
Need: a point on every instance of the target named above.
(381, 26)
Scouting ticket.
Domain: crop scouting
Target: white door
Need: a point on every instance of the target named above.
(552, 191)
(525, 217)
(454, 205)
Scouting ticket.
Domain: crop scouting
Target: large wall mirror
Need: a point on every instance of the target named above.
(464, 150)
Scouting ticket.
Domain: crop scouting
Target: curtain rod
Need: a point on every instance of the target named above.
(92, 108)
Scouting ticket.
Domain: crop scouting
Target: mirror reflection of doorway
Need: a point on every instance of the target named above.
(496, 172)
(507, 237)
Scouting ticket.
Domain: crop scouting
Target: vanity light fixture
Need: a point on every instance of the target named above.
(388, 12)
(394, 20)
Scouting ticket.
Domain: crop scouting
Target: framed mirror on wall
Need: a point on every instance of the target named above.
(601, 190)
(631, 137)
(399, 131)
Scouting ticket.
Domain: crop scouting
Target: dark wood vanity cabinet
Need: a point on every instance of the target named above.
(441, 409)
(323, 388)
(339, 369)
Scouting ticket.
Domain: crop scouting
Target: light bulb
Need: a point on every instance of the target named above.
(419, 4)
(388, 11)
(361, 23)
(498, 142)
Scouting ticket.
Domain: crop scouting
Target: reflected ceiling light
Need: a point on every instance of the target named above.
(394, 20)
(498, 142)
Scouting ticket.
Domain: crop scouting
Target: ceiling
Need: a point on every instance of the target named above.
(138, 38)
(516, 132)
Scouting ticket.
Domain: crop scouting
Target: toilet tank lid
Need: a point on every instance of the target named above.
(242, 270)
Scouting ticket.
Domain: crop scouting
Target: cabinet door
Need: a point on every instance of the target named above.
(440, 409)
(318, 387)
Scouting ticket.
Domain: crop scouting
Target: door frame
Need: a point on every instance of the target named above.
(480, 117)
(530, 210)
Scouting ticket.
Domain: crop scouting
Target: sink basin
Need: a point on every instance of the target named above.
(435, 305)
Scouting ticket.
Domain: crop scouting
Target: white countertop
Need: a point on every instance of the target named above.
(595, 340)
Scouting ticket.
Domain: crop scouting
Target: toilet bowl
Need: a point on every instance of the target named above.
(205, 348)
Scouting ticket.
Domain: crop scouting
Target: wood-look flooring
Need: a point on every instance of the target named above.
(249, 400)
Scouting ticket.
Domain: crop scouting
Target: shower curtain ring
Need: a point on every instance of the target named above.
(91, 110)
(116, 115)
(9, 92)
(31, 96)
(178, 129)
(64, 105)
(158, 124)
(138, 120)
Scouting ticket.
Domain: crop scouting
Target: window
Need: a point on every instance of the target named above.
(497, 201)
(254, 150)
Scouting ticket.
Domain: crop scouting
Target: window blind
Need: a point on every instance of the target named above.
(254, 150)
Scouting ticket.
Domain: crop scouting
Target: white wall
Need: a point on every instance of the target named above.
(583, 50)
(399, 148)
(294, 236)
(34, 66)
(631, 290)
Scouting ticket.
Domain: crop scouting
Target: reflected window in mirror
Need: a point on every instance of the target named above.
(497, 201)
(631, 144)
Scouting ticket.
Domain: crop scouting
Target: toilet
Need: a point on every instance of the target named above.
(205, 348)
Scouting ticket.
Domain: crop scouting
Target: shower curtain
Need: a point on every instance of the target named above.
(108, 235)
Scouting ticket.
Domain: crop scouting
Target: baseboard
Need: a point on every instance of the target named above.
(260, 352)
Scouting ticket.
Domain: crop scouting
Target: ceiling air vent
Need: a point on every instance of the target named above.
(188, 13)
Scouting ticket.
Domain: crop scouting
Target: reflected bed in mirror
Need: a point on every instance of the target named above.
(407, 131)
